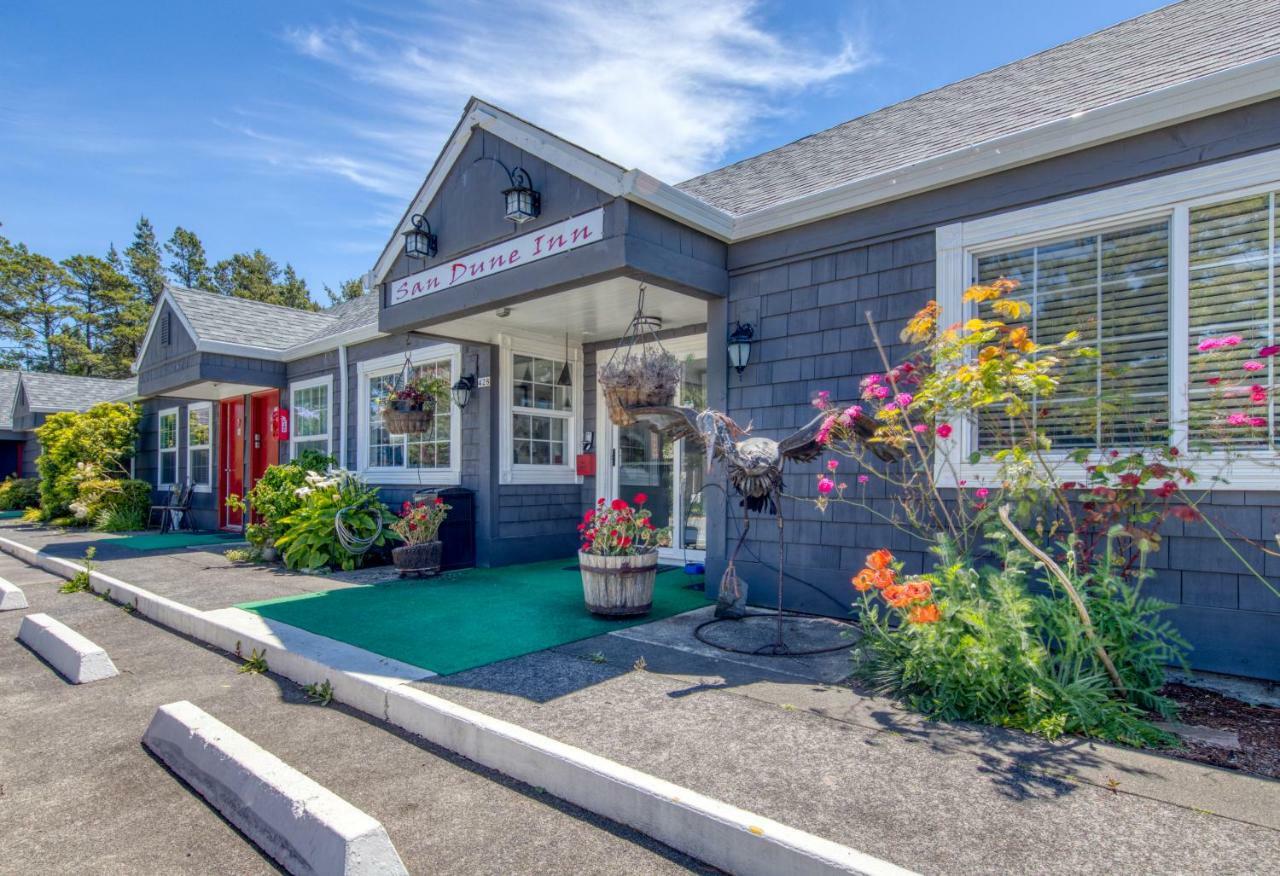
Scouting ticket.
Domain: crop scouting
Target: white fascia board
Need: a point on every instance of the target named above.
(651, 192)
(328, 343)
(229, 349)
(578, 162)
(1210, 94)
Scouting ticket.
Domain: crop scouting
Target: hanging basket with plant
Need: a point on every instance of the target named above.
(411, 409)
(640, 373)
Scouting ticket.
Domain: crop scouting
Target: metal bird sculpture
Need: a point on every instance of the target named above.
(754, 466)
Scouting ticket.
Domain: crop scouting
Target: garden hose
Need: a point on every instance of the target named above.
(351, 542)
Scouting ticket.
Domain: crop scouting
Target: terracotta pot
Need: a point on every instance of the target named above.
(618, 586)
(417, 560)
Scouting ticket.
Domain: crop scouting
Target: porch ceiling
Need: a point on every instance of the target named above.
(215, 391)
(595, 312)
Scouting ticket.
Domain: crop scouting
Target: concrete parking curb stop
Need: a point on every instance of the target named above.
(298, 822)
(76, 658)
(721, 835)
(11, 596)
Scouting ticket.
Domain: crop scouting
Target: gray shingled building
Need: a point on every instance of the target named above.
(1142, 161)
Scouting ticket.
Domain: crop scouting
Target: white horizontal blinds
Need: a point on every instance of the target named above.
(1232, 291)
(1112, 289)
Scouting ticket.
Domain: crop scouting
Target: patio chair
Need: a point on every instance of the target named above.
(175, 510)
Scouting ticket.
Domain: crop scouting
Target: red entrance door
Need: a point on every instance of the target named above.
(231, 456)
(265, 447)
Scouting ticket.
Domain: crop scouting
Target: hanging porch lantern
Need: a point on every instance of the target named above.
(419, 242)
(740, 346)
(523, 203)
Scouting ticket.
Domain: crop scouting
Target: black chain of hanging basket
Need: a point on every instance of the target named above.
(640, 371)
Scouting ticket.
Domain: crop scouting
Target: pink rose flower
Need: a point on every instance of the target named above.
(833, 464)
(1252, 365)
(880, 391)
(904, 399)
(1269, 351)
(1257, 422)
(920, 428)
(825, 485)
(1237, 419)
(862, 479)
(944, 430)
(982, 492)
(820, 401)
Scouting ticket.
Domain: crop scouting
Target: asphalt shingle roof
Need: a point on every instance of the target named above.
(216, 317)
(64, 392)
(1171, 45)
(8, 392)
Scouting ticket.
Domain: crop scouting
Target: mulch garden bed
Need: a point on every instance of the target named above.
(1258, 728)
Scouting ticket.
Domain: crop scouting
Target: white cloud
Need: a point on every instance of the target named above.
(668, 86)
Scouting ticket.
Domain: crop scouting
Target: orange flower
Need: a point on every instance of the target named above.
(925, 614)
(896, 595)
(919, 590)
(862, 582)
(883, 578)
(879, 560)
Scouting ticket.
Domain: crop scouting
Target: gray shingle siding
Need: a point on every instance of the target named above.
(809, 290)
(146, 463)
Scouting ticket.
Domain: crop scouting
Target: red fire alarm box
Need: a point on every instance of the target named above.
(280, 424)
(586, 465)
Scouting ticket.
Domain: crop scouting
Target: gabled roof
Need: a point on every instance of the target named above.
(243, 327)
(1167, 47)
(51, 393)
(8, 394)
(210, 316)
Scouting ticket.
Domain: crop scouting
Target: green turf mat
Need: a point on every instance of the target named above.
(170, 540)
(11, 515)
(467, 618)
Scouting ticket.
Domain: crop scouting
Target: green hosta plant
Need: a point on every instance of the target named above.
(275, 495)
(309, 538)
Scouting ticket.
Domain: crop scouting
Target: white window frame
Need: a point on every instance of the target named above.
(325, 380)
(1168, 197)
(196, 406)
(509, 472)
(392, 364)
(160, 449)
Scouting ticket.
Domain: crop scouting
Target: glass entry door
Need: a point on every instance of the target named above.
(671, 474)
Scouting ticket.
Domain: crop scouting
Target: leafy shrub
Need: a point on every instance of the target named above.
(274, 496)
(19, 493)
(976, 645)
(112, 504)
(101, 439)
(310, 539)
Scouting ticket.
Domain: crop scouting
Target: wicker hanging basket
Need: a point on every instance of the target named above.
(409, 422)
(641, 372)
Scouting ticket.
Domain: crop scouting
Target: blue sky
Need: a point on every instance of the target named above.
(303, 128)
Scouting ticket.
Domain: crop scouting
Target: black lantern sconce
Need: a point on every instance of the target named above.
(522, 203)
(466, 385)
(419, 242)
(740, 345)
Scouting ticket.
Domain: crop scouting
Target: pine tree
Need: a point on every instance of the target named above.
(348, 290)
(292, 291)
(107, 319)
(190, 266)
(146, 262)
(33, 292)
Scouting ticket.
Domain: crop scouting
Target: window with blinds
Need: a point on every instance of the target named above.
(1232, 291)
(1113, 289)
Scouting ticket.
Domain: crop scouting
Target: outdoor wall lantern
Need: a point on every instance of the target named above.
(466, 385)
(419, 242)
(523, 203)
(462, 390)
(740, 345)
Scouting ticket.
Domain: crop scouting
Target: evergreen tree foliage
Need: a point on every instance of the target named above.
(146, 261)
(348, 290)
(33, 307)
(257, 276)
(189, 265)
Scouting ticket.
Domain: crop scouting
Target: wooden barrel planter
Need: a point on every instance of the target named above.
(618, 399)
(417, 560)
(618, 586)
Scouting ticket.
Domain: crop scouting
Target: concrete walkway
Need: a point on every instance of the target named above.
(774, 736)
(79, 793)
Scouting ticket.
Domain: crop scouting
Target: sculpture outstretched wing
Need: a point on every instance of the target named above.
(673, 421)
(802, 445)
